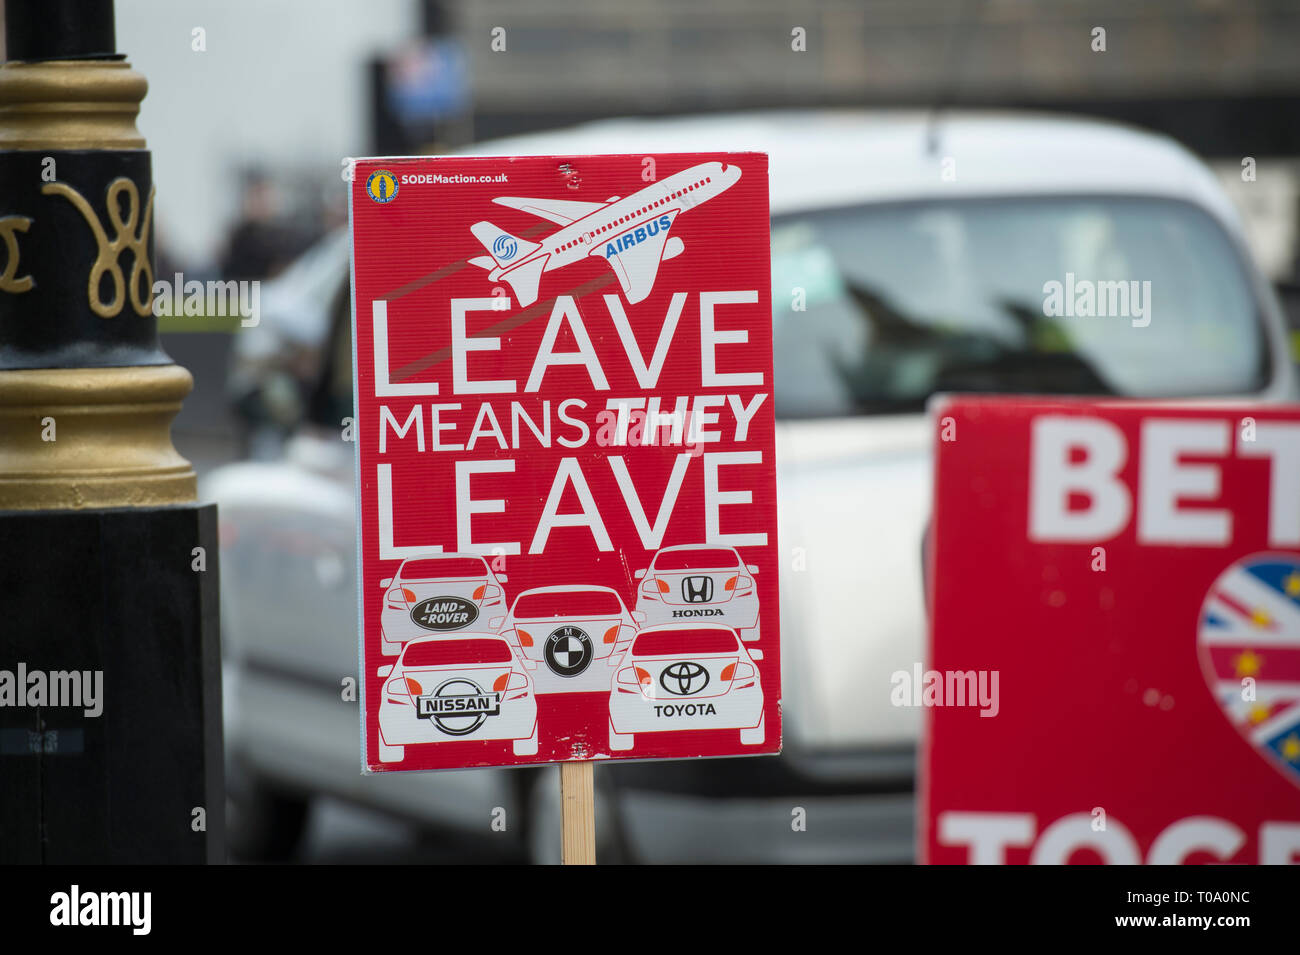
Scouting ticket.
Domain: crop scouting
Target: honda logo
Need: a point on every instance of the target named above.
(697, 590)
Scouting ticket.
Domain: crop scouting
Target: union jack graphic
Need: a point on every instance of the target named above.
(1250, 629)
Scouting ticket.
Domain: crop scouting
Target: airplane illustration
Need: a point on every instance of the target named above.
(631, 233)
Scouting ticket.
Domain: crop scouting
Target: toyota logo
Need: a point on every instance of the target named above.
(684, 679)
(697, 590)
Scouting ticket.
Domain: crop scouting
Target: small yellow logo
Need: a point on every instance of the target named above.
(382, 186)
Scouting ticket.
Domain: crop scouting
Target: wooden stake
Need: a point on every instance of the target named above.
(578, 809)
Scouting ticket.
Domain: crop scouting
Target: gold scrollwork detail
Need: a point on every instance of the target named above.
(106, 261)
(9, 280)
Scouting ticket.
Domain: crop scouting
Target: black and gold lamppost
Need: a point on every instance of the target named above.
(110, 692)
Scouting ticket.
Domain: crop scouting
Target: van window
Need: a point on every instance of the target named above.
(1059, 295)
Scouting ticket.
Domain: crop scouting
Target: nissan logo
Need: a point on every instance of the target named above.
(697, 590)
(459, 706)
(684, 679)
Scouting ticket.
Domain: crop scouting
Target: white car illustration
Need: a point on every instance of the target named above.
(700, 583)
(439, 593)
(570, 635)
(686, 677)
(473, 686)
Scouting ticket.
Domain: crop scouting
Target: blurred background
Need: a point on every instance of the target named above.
(1063, 141)
(249, 131)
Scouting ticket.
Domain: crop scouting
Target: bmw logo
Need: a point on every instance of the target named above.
(568, 651)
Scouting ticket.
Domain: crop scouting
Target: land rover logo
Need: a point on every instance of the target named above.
(444, 613)
(568, 651)
(684, 679)
(697, 590)
(458, 706)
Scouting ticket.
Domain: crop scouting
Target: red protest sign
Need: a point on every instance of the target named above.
(566, 459)
(1115, 589)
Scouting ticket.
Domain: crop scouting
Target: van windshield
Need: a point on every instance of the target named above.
(1060, 295)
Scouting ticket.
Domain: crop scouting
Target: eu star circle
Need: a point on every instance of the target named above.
(568, 651)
